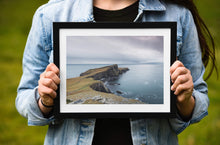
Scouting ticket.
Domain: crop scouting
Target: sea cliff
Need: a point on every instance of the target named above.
(89, 87)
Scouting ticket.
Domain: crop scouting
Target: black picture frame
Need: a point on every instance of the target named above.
(62, 30)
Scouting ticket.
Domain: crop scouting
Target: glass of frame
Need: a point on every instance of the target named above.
(114, 69)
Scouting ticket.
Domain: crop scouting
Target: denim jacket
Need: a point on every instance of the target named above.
(39, 53)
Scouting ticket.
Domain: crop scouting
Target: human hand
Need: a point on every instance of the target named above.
(47, 86)
(183, 87)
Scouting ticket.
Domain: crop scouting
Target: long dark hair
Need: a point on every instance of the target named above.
(205, 37)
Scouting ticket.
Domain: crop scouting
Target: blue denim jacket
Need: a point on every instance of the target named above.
(39, 53)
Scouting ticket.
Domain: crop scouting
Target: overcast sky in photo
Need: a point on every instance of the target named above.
(114, 49)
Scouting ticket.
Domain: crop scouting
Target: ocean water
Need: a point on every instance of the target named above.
(143, 82)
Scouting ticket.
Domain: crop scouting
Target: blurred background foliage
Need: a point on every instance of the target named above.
(15, 23)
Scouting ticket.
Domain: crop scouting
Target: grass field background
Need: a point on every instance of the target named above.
(15, 23)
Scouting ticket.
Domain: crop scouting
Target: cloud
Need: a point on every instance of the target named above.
(114, 49)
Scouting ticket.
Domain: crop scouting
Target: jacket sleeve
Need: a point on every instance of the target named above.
(190, 56)
(35, 60)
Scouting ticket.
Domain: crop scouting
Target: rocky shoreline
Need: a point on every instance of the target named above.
(90, 88)
(110, 73)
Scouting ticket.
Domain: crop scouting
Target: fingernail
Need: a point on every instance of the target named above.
(172, 88)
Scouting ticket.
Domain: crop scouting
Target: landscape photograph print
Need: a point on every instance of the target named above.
(114, 69)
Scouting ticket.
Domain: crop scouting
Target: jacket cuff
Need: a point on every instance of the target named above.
(199, 112)
(35, 116)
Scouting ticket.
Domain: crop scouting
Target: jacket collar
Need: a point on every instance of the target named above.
(86, 14)
(151, 5)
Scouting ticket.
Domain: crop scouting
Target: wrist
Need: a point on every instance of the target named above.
(185, 109)
(44, 108)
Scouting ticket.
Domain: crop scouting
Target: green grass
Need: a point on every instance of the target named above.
(15, 23)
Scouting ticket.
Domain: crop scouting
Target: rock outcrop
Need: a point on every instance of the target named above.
(99, 86)
(105, 73)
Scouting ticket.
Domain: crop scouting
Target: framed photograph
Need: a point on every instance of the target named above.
(113, 70)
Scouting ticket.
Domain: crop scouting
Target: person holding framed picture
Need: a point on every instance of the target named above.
(40, 79)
